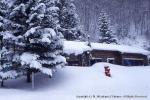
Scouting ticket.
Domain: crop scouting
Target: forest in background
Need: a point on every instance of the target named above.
(130, 19)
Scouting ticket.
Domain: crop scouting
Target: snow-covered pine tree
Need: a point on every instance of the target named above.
(3, 7)
(3, 11)
(69, 20)
(106, 34)
(7, 71)
(38, 32)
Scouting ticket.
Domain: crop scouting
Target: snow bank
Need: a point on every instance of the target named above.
(70, 82)
(74, 47)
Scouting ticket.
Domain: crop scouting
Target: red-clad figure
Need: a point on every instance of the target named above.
(107, 71)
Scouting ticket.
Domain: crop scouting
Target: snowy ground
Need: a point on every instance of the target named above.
(73, 83)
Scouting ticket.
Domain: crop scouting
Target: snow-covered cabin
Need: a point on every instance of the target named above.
(119, 54)
(79, 53)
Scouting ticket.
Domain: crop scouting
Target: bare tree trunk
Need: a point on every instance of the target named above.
(2, 83)
(28, 76)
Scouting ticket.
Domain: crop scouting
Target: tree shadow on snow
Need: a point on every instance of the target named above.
(42, 82)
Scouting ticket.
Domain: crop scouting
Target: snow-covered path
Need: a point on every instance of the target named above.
(70, 83)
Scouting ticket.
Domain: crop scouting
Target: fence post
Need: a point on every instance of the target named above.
(33, 85)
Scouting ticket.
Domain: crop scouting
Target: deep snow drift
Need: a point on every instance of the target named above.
(70, 83)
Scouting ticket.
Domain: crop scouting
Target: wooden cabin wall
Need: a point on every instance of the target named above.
(137, 56)
(107, 54)
(81, 60)
(85, 58)
(118, 56)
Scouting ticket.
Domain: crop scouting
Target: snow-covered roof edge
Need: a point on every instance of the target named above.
(76, 47)
(120, 48)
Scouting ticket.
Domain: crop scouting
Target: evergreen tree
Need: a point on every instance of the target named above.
(38, 35)
(7, 70)
(106, 34)
(69, 20)
(3, 11)
(3, 7)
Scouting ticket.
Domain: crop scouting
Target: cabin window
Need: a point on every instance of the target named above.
(73, 63)
(133, 62)
(111, 60)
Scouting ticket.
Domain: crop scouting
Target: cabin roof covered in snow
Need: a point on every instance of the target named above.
(120, 48)
(75, 47)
